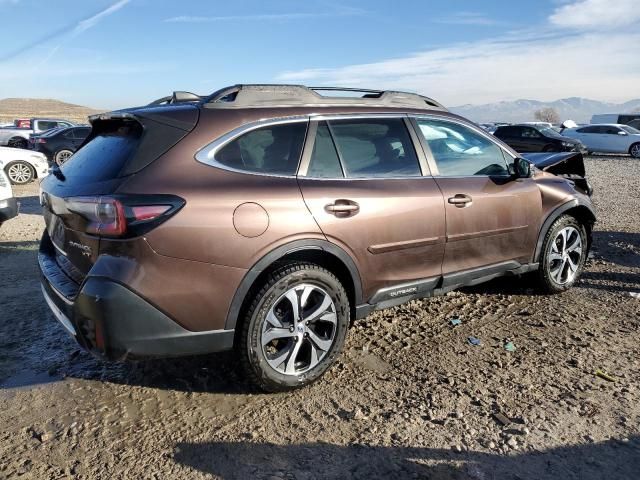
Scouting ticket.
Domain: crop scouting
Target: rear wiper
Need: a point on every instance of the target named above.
(58, 173)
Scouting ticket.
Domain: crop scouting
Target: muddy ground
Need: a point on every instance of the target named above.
(409, 398)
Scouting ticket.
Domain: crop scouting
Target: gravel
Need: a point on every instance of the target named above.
(410, 398)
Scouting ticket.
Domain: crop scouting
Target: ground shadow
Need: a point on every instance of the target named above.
(30, 205)
(612, 459)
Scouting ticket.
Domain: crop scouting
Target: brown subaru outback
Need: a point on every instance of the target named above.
(265, 218)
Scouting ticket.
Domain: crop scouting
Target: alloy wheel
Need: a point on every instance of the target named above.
(635, 150)
(63, 156)
(565, 255)
(19, 173)
(299, 329)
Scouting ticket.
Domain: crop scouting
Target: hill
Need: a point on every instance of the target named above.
(577, 109)
(12, 108)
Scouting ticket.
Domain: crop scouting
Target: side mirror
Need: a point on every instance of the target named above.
(620, 132)
(521, 168)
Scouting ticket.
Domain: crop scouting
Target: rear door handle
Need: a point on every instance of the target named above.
(342, 208)
(460, 200)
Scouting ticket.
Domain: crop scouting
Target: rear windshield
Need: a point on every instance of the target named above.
(106, 155)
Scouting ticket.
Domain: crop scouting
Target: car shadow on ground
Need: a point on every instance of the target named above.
(611, 459)
(30, 205)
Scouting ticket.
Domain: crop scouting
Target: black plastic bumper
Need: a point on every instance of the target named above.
(111, 321)
(8, 209)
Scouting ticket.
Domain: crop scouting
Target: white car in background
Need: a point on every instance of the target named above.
(23, 166)
(8, 203)
(607, 138)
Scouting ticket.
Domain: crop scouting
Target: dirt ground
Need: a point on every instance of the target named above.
(410, 398)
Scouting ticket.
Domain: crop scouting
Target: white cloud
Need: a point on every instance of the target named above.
(593, 65)
(335, 11)
(597, 14)
(92, 21)
(467, 18)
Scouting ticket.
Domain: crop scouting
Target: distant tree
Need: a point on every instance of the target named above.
(547, 114)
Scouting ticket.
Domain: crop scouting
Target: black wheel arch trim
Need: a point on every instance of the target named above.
(280, 252)
(554, 215)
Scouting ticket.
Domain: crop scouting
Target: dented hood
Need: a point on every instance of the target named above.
(569, 165)
(558, 163)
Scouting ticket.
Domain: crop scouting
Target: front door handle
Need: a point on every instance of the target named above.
(342, 208)
(460, 200)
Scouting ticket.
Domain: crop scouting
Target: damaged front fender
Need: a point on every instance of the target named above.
(569, 165)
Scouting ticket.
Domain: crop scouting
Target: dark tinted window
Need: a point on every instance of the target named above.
(324, 159)
(372, 148)
(610, 130)
(81, 133)
(68, 133)
(47, 125)
(529, 132)
(105, 156)
(508, 132)
(592, 129)
(273, 149)
(460, 151)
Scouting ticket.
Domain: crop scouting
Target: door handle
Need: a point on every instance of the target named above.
(342, 208)
(460, 200)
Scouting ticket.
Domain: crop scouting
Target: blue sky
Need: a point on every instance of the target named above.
(116, 53)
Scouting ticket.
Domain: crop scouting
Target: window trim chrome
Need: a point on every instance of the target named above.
(206, 154)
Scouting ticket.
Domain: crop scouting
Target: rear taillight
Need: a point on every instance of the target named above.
(105, 215)
(123, 216)
(39, 140)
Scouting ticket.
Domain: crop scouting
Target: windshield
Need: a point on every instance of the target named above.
(629, 129)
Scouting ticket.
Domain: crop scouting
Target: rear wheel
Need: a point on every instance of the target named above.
(19, 172)
(564, 251)
(18, 142)
(634, 150)
(62, 156)
(295, 327)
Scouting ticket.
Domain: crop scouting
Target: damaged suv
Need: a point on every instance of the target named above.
(265, 218)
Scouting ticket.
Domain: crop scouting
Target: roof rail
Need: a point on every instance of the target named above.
(177, 97)
(268, 95)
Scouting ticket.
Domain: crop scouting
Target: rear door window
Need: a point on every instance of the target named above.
(274, 149)
(364, 148)
(460, 151)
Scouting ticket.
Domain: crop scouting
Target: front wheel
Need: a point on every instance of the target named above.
(564, 252)
(295, 327)
(18, 142)
(20, 172)
(634, 150)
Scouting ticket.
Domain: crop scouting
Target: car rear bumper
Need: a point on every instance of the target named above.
(111, 321)
(8, 209)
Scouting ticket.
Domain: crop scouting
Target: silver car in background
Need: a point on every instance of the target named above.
(607, 138)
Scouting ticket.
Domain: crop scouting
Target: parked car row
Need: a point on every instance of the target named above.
(543, 137)
(23, 166)
(17, 136)
(8, 203)
(60, 143)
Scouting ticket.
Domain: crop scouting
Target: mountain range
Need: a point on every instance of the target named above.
(12, 108)
(577, 109)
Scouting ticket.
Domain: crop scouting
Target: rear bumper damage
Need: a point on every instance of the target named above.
(115, 323)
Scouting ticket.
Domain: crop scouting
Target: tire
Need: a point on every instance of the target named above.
(563, 255)
(299, 352)
(634, 150)
(62, 156)
(18, 142)
(19, 172)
